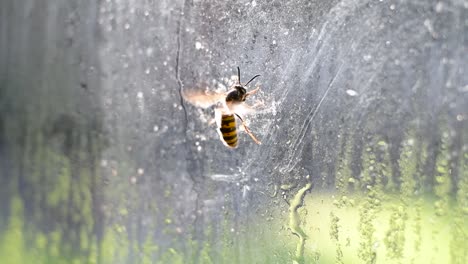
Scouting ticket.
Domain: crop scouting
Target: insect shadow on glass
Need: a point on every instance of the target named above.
(229, 106)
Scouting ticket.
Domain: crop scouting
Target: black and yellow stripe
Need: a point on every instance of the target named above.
(228, 130)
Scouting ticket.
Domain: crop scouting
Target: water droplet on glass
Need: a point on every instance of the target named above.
(439, 6)
(351, 92)
(367, 57)
(149, 51)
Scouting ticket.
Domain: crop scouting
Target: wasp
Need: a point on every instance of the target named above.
(229, 104)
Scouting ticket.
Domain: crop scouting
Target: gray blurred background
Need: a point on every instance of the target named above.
(103, 162)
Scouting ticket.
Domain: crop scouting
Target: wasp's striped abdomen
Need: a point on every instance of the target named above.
(228, 130)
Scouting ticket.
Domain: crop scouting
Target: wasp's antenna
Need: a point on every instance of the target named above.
(252, 79)
(238, 76)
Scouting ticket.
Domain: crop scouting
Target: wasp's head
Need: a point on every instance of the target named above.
(240, 89)
(239, 93)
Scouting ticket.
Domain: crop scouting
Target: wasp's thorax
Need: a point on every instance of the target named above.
(237, 95)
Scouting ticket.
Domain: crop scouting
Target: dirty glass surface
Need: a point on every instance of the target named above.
(362, 116)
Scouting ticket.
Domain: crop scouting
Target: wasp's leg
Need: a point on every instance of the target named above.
(253, 91)
(245, 109)
(257, 104)
(247, 130)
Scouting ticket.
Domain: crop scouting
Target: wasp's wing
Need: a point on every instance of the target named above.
(202, 98)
